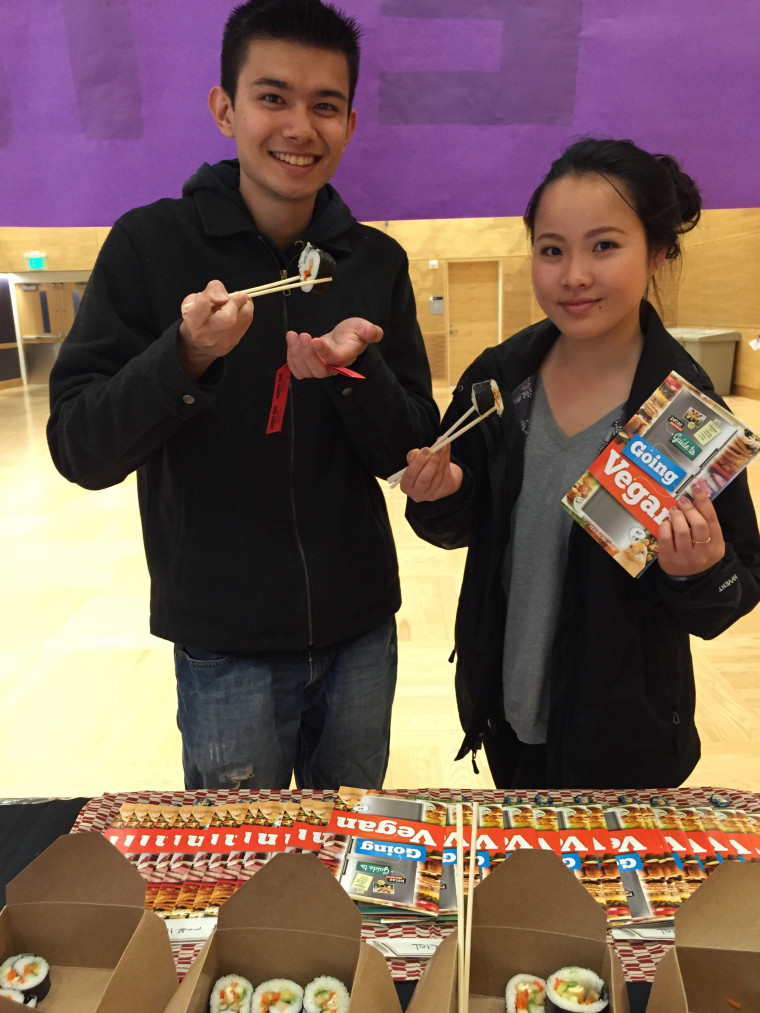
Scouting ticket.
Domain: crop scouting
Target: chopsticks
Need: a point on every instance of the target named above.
(448, 437)
(461, 997)
(296, 281)
(281, 286)
(470, 891)
(465, 905)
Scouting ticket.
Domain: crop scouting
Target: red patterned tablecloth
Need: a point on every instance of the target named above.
(639, 959)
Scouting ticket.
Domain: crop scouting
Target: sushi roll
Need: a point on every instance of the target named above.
(28, 974)
(325, 994)
(486, 396)
(278, 995)
(13, 995)
(574, 988)
(525, 992)
(313, 264)
(233, 993)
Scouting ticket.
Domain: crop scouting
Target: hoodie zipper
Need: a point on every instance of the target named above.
(293, 509)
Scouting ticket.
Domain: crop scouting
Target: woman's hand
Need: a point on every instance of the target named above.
(430, 476)
(691, 541)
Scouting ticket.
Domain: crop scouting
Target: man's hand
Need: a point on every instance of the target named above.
(213, 322)
(691, 541)
(430, 476)
(339, 347)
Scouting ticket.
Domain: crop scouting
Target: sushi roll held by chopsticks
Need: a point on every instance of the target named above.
(486, 399)
(315, 267)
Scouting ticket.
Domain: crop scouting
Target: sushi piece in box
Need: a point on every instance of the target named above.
(80, 906)
(530, 916)
(715, 963)
(293, 921)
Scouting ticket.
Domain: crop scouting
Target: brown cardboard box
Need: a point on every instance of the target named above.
(531, 915)
(716, 955)
(81, 906)
(291, 920)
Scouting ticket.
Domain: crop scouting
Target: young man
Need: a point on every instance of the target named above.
(271, 557)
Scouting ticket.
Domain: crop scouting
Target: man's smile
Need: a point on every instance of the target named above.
(301, 160)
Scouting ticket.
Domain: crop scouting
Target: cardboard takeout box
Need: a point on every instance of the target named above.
(81, 906)
(291, 920)
(715, 962)
(532, 916)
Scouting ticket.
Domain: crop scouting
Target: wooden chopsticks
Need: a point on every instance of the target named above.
(464, 905)
(281, 286)
(296, 281)
(448, 437)
(460, 908)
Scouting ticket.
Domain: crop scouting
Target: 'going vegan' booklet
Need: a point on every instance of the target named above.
(678, 435)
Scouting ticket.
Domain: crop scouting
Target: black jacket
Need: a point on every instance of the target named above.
(621, 678)
(254, 542)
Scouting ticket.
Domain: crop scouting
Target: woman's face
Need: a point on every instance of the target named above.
(590, 262)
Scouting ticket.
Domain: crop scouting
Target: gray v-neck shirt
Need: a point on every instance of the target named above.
(535, 560)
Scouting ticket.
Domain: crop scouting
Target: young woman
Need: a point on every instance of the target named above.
(571, 673)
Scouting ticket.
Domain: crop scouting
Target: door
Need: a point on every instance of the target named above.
(474, 318)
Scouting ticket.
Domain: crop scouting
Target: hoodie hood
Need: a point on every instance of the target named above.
(216, 186)
(223, 177)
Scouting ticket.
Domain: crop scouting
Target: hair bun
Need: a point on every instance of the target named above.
(686, 192)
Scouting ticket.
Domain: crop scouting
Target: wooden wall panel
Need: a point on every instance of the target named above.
(458, 238)
(473, 311)
(66, 249)
(428, 282)
(518, 305)
(717, 287)
(100, 235)
(719, 283)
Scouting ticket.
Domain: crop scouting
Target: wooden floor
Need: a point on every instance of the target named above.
(87, 694)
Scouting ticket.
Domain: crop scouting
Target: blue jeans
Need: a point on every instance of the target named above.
(253, 720)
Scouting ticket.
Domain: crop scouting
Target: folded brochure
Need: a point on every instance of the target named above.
(387, 852)
(677, 436)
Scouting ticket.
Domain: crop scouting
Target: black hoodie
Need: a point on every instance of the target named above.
(254, 542)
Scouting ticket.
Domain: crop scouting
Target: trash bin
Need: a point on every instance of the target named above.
(714, 349)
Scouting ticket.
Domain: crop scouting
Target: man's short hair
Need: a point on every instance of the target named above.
(307, 22)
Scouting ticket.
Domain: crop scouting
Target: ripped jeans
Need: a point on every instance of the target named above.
(254, 720)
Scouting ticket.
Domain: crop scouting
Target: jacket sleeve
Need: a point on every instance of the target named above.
(448, 522)
(392, 410)
(708, 603)
(118, 390)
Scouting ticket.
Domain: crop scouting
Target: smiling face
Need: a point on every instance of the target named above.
(291, 124)
(590, 263)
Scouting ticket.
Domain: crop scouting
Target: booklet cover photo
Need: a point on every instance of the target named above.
(678, 435)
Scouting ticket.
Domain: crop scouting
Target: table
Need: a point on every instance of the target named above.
(27, 827)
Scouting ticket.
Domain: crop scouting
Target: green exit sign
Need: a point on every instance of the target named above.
(36, 261)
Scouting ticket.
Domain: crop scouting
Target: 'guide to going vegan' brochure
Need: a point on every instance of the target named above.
(387, 852)
(677, 436)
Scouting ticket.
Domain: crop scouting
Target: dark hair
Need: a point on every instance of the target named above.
(308, 22)
(666, 200)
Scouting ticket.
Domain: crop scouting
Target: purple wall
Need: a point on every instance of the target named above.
(462, 104)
